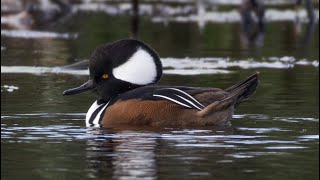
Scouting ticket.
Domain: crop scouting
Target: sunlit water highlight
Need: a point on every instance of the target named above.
(184, 66)
(29, 34)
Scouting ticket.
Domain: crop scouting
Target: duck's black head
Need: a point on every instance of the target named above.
(119, 67)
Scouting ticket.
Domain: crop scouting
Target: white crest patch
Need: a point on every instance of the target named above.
(139, 69)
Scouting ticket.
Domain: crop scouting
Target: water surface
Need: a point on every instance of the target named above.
(273, 135)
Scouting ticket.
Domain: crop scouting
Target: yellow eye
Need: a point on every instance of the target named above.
(105, 76)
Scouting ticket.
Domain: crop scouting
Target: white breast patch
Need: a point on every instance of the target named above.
(94, 113)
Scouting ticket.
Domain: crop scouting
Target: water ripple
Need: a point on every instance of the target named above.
(234, 139)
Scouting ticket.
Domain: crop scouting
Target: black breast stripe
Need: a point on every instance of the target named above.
(101, 115)
(94, 114)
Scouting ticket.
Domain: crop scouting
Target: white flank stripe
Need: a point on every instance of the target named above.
(189, 102)
(165, 97)
(188, 96)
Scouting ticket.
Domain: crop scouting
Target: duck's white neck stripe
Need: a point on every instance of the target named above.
(93, 116)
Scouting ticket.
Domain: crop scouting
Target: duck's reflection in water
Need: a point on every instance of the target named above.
(152, 153)
(135, 158)
(125, 155)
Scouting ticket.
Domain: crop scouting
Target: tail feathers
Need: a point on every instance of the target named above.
(244, 89)
(217, 106)
(237, 93)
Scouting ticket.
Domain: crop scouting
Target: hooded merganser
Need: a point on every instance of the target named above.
(124, 74)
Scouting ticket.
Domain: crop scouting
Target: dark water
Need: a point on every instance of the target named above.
(274, 135)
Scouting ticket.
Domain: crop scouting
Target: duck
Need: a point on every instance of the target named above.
(125, 74)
